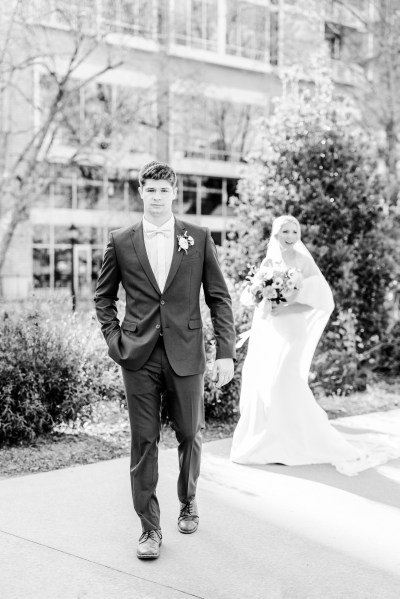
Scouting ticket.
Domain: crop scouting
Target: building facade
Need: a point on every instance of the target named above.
(190, 80)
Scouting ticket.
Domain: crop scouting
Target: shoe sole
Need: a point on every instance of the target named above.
(188, 532)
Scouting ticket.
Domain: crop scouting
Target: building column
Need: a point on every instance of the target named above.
(163, 84)
(222, 19)
(16, 275)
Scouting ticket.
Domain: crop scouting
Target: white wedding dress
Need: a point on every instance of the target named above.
(280, 421)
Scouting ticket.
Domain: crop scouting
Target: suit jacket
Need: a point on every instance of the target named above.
(175, 312)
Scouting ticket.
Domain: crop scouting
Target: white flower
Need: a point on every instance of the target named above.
(270, 293)
(267, 272)
(184, 241)
(183, 244)
(278, 283)
(289, 285)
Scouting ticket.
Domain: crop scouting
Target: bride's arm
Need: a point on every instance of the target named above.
(314, 292)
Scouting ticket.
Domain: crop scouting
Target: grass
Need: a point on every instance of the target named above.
(107, 435)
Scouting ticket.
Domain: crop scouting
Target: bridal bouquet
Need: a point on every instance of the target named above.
(272, 281)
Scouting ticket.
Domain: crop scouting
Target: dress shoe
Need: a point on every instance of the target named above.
(188, 520)
(149, 544)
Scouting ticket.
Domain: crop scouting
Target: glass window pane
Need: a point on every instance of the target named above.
(135, 120)
(211, 182)
(90, 195)
(97, 259)
(231, 191)
(41, 267)
(41, 234)
(211, 202)
(133, 17)
(61, 194)
(217, 237)
(189, 182)
(62, 267)
(189, 201)
(246, 33)
(62, 235)
(195, 23)
(215, 129)
(135, 201)
(116, 199)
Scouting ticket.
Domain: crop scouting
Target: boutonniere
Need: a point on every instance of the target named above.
(184, 242)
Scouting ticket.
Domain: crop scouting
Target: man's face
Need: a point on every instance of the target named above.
(157, 198)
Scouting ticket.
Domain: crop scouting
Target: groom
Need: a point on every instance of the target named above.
(162, 263)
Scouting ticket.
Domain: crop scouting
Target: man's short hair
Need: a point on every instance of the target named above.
(157, 171)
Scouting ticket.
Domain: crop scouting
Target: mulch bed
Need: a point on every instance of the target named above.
(107, 435)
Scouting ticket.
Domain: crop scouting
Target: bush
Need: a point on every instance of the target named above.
(54, 367)
(338, 366)
(223, 404)
(51, 372)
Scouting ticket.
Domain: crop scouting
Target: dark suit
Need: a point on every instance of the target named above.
(160, 347)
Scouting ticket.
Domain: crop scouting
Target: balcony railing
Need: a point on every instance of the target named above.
(203, 151)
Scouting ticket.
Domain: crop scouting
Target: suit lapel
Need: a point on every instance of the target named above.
(140, 248)
(176, 256)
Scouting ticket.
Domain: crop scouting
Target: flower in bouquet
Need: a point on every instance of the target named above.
(272, 281)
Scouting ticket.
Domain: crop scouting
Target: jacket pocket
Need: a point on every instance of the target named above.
(129, 326)
(195, 323)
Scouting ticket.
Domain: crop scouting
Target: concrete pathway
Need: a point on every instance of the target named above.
(269, 532)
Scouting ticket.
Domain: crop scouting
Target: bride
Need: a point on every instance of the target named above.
(280, 421)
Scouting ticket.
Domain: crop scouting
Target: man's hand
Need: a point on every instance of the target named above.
(223, 371)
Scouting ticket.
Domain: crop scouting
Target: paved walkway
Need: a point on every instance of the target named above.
(270, 532)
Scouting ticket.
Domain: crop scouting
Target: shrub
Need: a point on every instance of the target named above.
(223, 404)
(51, 371)
(338, 366)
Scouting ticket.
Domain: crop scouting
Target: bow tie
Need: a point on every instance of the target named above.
(166, 231)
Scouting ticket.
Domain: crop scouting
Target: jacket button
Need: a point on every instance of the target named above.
(157, 326)
(162, 302)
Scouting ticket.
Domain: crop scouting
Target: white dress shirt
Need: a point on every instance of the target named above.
(159, 243)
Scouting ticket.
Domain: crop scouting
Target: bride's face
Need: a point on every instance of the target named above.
(288, 234)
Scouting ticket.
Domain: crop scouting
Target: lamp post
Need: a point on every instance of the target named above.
(73, 236)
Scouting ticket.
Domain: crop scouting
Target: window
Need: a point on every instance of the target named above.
(247, 30)
(62, 267)
(135, 17)
(53, 254)
(41, 267)
(211, 196)
(217, 237)
(212, 129)
(333, 37)
(231, 192)
(196, 23)
(206, 196)
(102, 116)
(188, 190)
(135, 201)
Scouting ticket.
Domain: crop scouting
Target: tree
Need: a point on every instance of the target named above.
(377, 51)
(313, 162)
(30, 50)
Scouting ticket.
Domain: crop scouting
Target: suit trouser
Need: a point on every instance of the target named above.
(185, 404)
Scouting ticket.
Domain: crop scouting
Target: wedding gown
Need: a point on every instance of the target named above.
(280, 420)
